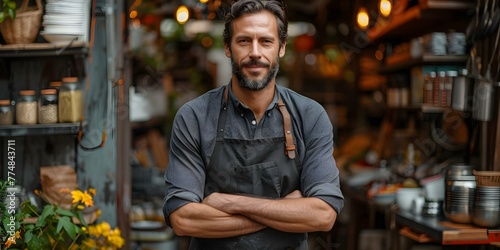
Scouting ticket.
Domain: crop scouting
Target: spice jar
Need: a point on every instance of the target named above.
(55, 85)
(70, 100)
(6, 113)
(47, 106)
(26, 107)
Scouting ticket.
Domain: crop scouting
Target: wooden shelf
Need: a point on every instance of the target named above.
(77, 51)
(398, 63)
(424, 18)
(40, 129)
(431, 109)
(43, 49)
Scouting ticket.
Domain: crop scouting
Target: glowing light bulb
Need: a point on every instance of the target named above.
(362, 18)
(385, 7)
(182, 14)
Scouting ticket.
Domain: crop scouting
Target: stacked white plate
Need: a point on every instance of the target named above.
(65, 21)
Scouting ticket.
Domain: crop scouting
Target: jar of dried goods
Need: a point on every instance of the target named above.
(55, 85)
(47, 106)
(6, 113)
(26, 107)
(70, 100)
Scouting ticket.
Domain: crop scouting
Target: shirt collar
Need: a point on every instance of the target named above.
(237, 103)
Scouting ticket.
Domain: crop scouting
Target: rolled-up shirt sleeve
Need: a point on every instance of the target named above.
(185, 175)
(320, 175)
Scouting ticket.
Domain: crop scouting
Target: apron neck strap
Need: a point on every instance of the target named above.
(287, 128)
(287, 123)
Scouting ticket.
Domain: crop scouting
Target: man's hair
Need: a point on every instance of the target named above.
(242, 7)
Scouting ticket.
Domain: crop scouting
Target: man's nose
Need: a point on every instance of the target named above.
(255, 52)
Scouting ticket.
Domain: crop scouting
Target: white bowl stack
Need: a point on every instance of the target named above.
(65, 21)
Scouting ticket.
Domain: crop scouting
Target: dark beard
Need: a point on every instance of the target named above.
(245, 82)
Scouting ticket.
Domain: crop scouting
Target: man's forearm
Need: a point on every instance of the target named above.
(290, 215)
(200, 220)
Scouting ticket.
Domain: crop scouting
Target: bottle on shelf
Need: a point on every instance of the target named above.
(428, 92)
(448, 85)
(26, 108)
(6, 113)
(441, 94)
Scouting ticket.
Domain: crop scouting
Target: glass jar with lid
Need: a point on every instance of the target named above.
(47, 106)
(70, 100)
(26, 107)
(55, 85)
(6, 113)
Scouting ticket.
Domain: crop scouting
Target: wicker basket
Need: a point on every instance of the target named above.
(487, 178)
(24, 28)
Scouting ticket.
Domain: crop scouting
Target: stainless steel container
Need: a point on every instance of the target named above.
(461, 92)
(482, 109)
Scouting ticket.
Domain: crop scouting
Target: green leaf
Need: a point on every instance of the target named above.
(28, 208)
(11, 5)
(28, 236)
(12, 13)
(69, 227)
(2, 17)
(48, 210)
(80, 217)
(64, 212)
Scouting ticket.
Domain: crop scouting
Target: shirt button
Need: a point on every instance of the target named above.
(241, 114)
(254, 122)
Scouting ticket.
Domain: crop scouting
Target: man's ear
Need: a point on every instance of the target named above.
(282, 50)
(227, 50)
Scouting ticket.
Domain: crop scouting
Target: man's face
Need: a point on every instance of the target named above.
(255, 50)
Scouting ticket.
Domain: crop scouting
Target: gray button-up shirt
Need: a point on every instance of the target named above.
(193, 140)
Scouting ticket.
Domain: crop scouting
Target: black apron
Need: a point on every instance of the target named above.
(265, 168)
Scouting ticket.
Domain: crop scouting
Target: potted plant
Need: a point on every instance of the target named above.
(20, 25)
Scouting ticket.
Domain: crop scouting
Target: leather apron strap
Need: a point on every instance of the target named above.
(287, 124)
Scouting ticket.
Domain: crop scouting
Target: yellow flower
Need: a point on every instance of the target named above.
(77, 196)
(18, 235)
(75, 247)
(64, 190)
(80, 207)
(92, 191)
(87, 199)
(10, 241)
(90, 243)
(104, 228)
(98, 213)
(37, 192)
(84, 197)
(116, 240)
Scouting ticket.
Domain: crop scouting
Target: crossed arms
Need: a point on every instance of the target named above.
(226, 215)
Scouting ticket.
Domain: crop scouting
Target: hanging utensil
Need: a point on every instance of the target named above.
(473, 24)
(494, 19)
